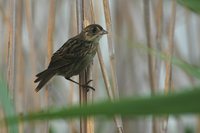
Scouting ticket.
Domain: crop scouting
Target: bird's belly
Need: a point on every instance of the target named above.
(82, 64)
(77, 67)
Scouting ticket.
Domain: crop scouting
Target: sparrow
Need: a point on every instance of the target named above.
(73, 57)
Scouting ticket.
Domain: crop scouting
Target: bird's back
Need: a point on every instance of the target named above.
(73, 57)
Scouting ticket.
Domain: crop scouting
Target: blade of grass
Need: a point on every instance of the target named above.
(186, 102)
(193, 5)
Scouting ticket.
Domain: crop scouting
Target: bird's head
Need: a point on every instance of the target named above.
(93, 32)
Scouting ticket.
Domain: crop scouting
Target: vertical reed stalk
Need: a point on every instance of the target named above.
(31, 38)
(149, 43)
(70, 97)
(190, 41)
(11, 48)
(105, 75)
(111, 50)
(150, 58)
(5, 52)
(159, 31)
(8, 55)
(11, 56)
(72, 31)
(31, 104)
(90, 19)
(198, 125)
(82, 76)
(51, 26)
(169, 53)
(7, 21)
(50, 34)
(111, 47)
(3, 128)
(19, 64)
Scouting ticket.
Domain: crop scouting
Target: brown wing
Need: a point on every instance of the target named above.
(66, 54)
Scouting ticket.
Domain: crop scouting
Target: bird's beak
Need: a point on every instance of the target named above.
(103, 32)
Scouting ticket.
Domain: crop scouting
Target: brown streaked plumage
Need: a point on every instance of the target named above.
(74, 56)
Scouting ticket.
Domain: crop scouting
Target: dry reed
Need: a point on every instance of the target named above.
(169, 53)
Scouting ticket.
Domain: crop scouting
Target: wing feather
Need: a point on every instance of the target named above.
(67, 54)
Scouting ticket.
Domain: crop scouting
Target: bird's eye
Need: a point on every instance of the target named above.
(94, 30)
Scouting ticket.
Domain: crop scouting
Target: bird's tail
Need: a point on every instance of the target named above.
(43, 78)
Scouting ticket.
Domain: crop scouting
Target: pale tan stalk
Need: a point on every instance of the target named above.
(105, 75)
(6, 60)
(3, 127)
(20, 65)
(31, 38)
(91, 19)
(149, 43)
(82, 76)
(50, 35)
(31, 98)
(11, 53)
(169, 54)
(198, 125)
(147, 22)
(159, 31)
(11, 48)
(70, 96)
(6, 19)
(111, 50)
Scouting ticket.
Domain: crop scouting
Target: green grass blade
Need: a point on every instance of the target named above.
(193, 5)
(186, 102)
(192, 70)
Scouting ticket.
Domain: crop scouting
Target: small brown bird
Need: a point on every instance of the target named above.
(74, 56)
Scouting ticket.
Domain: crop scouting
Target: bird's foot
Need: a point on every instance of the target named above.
(87, 86)
(84, 86)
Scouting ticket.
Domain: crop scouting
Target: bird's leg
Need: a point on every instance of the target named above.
(84, 86)
(87, 86)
